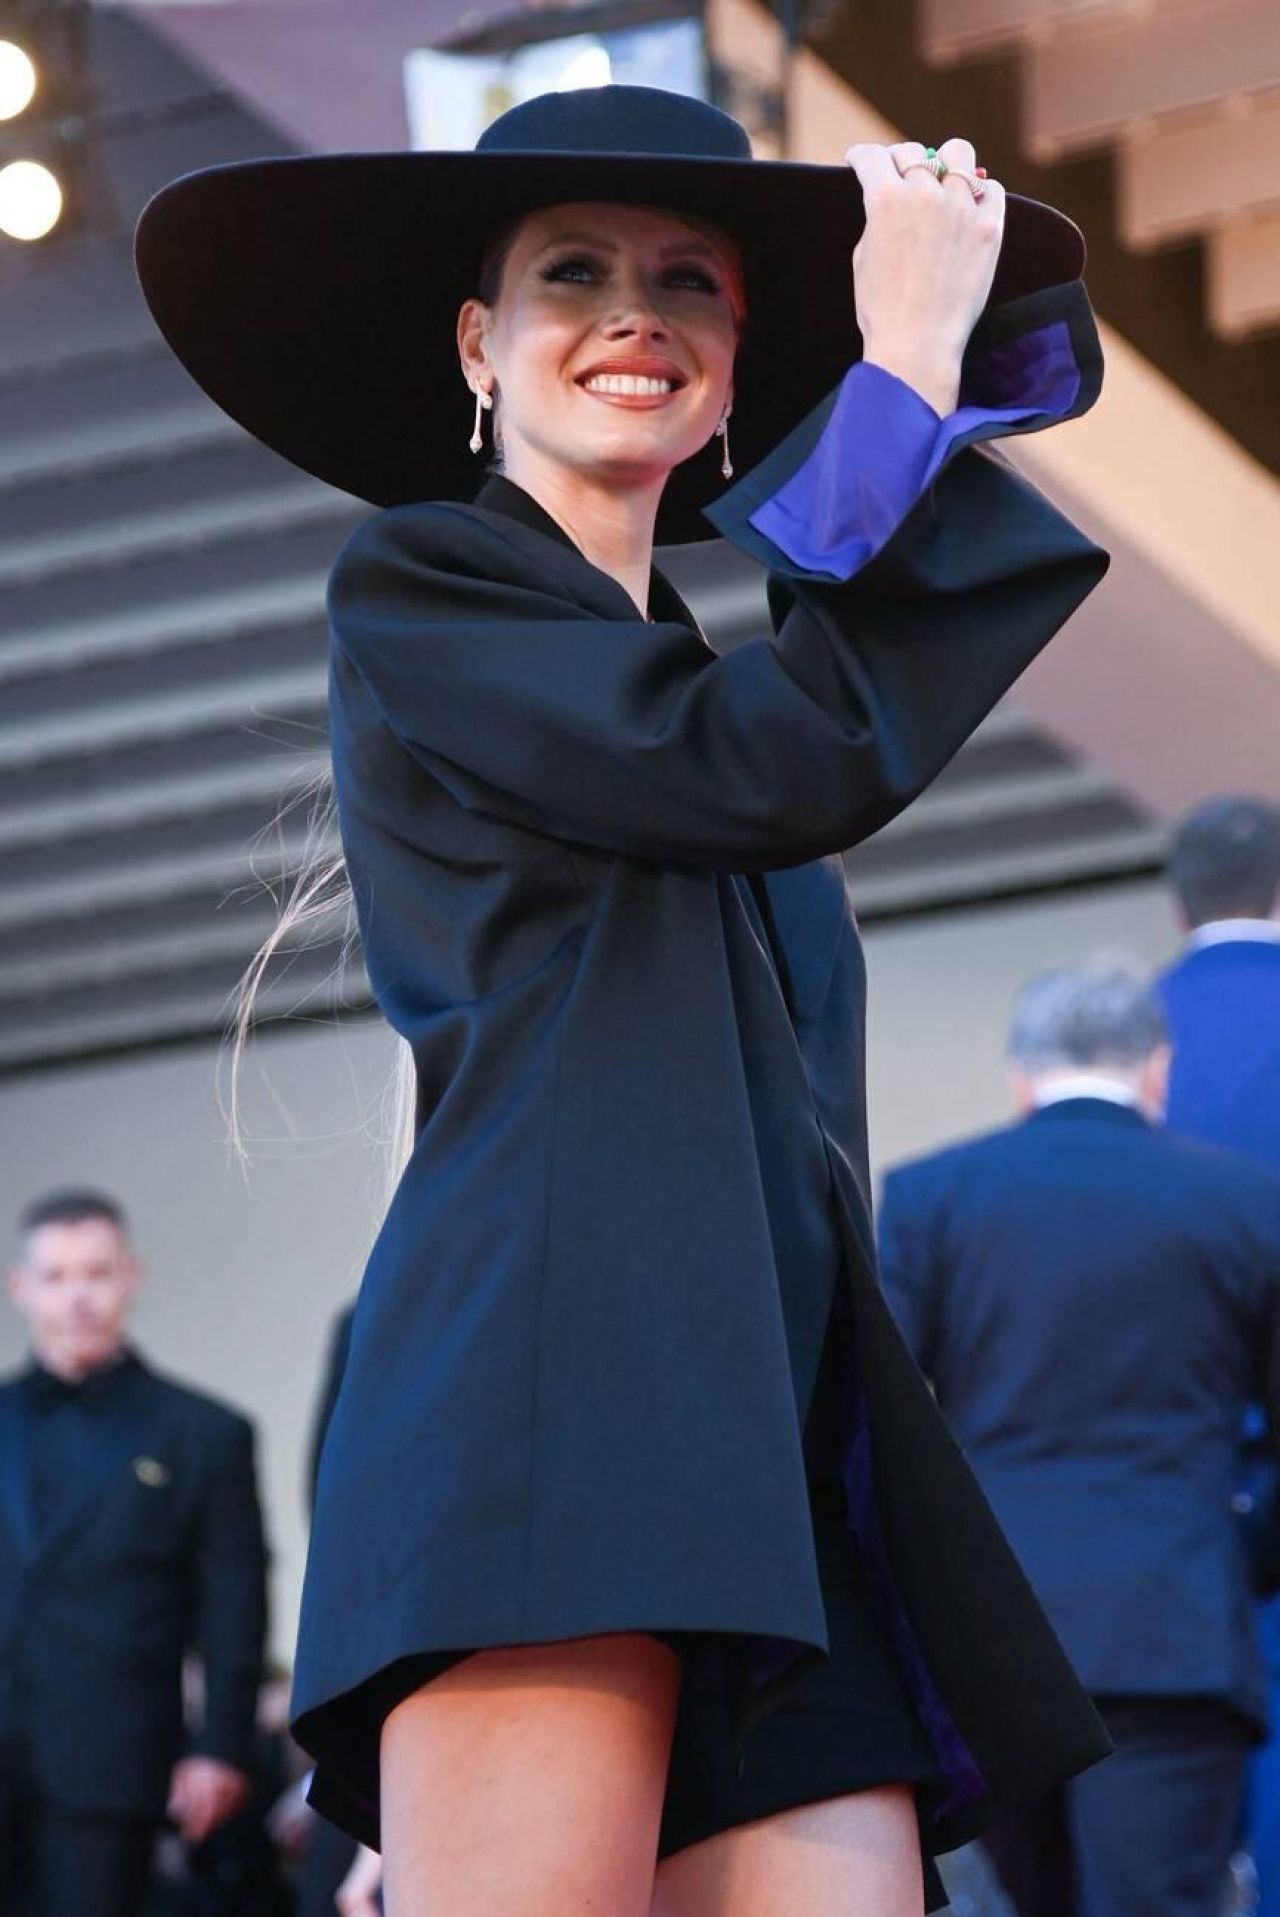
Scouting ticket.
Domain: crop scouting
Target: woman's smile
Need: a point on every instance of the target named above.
(633, 381)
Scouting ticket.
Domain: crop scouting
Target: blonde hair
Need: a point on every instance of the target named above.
(313, 895)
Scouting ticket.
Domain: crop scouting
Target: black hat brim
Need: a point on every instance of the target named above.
(316, 299)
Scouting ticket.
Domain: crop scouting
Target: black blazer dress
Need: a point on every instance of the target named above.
(600, 894)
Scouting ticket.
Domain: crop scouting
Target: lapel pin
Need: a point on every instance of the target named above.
(151, 1471)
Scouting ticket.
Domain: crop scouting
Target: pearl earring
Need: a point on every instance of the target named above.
(484, 404)
(726, 464)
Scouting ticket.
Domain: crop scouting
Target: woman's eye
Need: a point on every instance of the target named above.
(693, 278)
(576, 268)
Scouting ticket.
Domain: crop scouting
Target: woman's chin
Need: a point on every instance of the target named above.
(634, 465)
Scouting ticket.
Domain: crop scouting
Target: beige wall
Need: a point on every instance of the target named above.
(247, 1268)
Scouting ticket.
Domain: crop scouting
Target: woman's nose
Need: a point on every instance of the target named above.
(637, 316)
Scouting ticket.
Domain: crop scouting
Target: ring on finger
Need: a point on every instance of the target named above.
(974, 181)
(930, 164)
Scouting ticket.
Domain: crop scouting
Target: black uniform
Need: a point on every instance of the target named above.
(130, 1532)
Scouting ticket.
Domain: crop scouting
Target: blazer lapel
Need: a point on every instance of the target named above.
(584, 583)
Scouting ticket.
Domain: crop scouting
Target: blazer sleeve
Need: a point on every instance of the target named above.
(231, 1603)
(891, 639)
(905, 1271)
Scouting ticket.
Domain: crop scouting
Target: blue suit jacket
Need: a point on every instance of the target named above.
(1223, 1006)
(1095, 1301)
(1222, 1002)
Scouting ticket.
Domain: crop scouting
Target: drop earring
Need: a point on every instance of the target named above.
(484, 404)
(726, 464)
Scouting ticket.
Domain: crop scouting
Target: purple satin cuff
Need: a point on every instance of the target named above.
(884, 445)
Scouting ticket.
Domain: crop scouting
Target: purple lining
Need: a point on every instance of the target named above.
(955, 1759)
(770, 1657)
(883, 446)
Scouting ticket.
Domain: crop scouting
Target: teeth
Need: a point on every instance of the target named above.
(633, 384)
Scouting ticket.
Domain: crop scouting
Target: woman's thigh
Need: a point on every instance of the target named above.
(856, 1856)
(528, 1782)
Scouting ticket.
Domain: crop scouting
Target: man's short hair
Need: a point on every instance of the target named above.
(72, 1206)
(1106, 1013)
(1224, 862)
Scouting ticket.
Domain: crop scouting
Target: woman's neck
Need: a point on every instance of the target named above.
(611, 525)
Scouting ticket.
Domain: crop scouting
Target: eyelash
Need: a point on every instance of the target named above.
(561, 270)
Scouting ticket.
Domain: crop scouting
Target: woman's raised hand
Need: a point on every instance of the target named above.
(924, 265)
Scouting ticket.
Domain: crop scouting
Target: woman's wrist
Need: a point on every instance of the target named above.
(934, 375)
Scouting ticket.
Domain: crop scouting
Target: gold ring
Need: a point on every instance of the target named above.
(931, 165)
(971, 180)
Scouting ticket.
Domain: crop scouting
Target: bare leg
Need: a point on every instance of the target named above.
(528, 1782)
(853, 1856)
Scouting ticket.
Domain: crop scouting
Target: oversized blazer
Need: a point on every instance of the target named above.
(158, 1551)
(598, 876)
(1095, 1300)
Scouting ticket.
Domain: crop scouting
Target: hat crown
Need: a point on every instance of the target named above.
(617, 119)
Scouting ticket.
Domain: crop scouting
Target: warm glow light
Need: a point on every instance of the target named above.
(30, 200)
(17, 80)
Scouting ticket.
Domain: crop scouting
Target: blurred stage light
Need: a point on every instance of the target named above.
(17, 80)
(590, 68)
(30, 200)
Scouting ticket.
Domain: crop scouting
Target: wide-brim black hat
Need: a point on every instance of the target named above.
(316, 299)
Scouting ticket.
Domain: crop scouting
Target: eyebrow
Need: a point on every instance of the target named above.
(694, 243)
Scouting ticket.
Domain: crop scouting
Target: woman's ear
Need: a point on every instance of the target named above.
(473, 323)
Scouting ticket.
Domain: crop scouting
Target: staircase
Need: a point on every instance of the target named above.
(1154, 123)
(1186, 96)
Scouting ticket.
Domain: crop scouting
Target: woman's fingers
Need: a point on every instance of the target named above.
(957, 152)
(924, 263)
(907, 154)
(873, 164)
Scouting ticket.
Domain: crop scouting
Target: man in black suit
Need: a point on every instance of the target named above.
(1096, 1300)
(130, 1534)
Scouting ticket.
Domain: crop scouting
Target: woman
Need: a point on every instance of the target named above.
(644, 1577)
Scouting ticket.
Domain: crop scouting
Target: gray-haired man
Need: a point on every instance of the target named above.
(1095, 1301)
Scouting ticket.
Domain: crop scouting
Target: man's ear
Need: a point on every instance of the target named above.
(1021, 1089)
(1153, 1086)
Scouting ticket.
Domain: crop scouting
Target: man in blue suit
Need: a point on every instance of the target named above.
(1222, 995)
(1095, 1301)
(1222, 1002)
